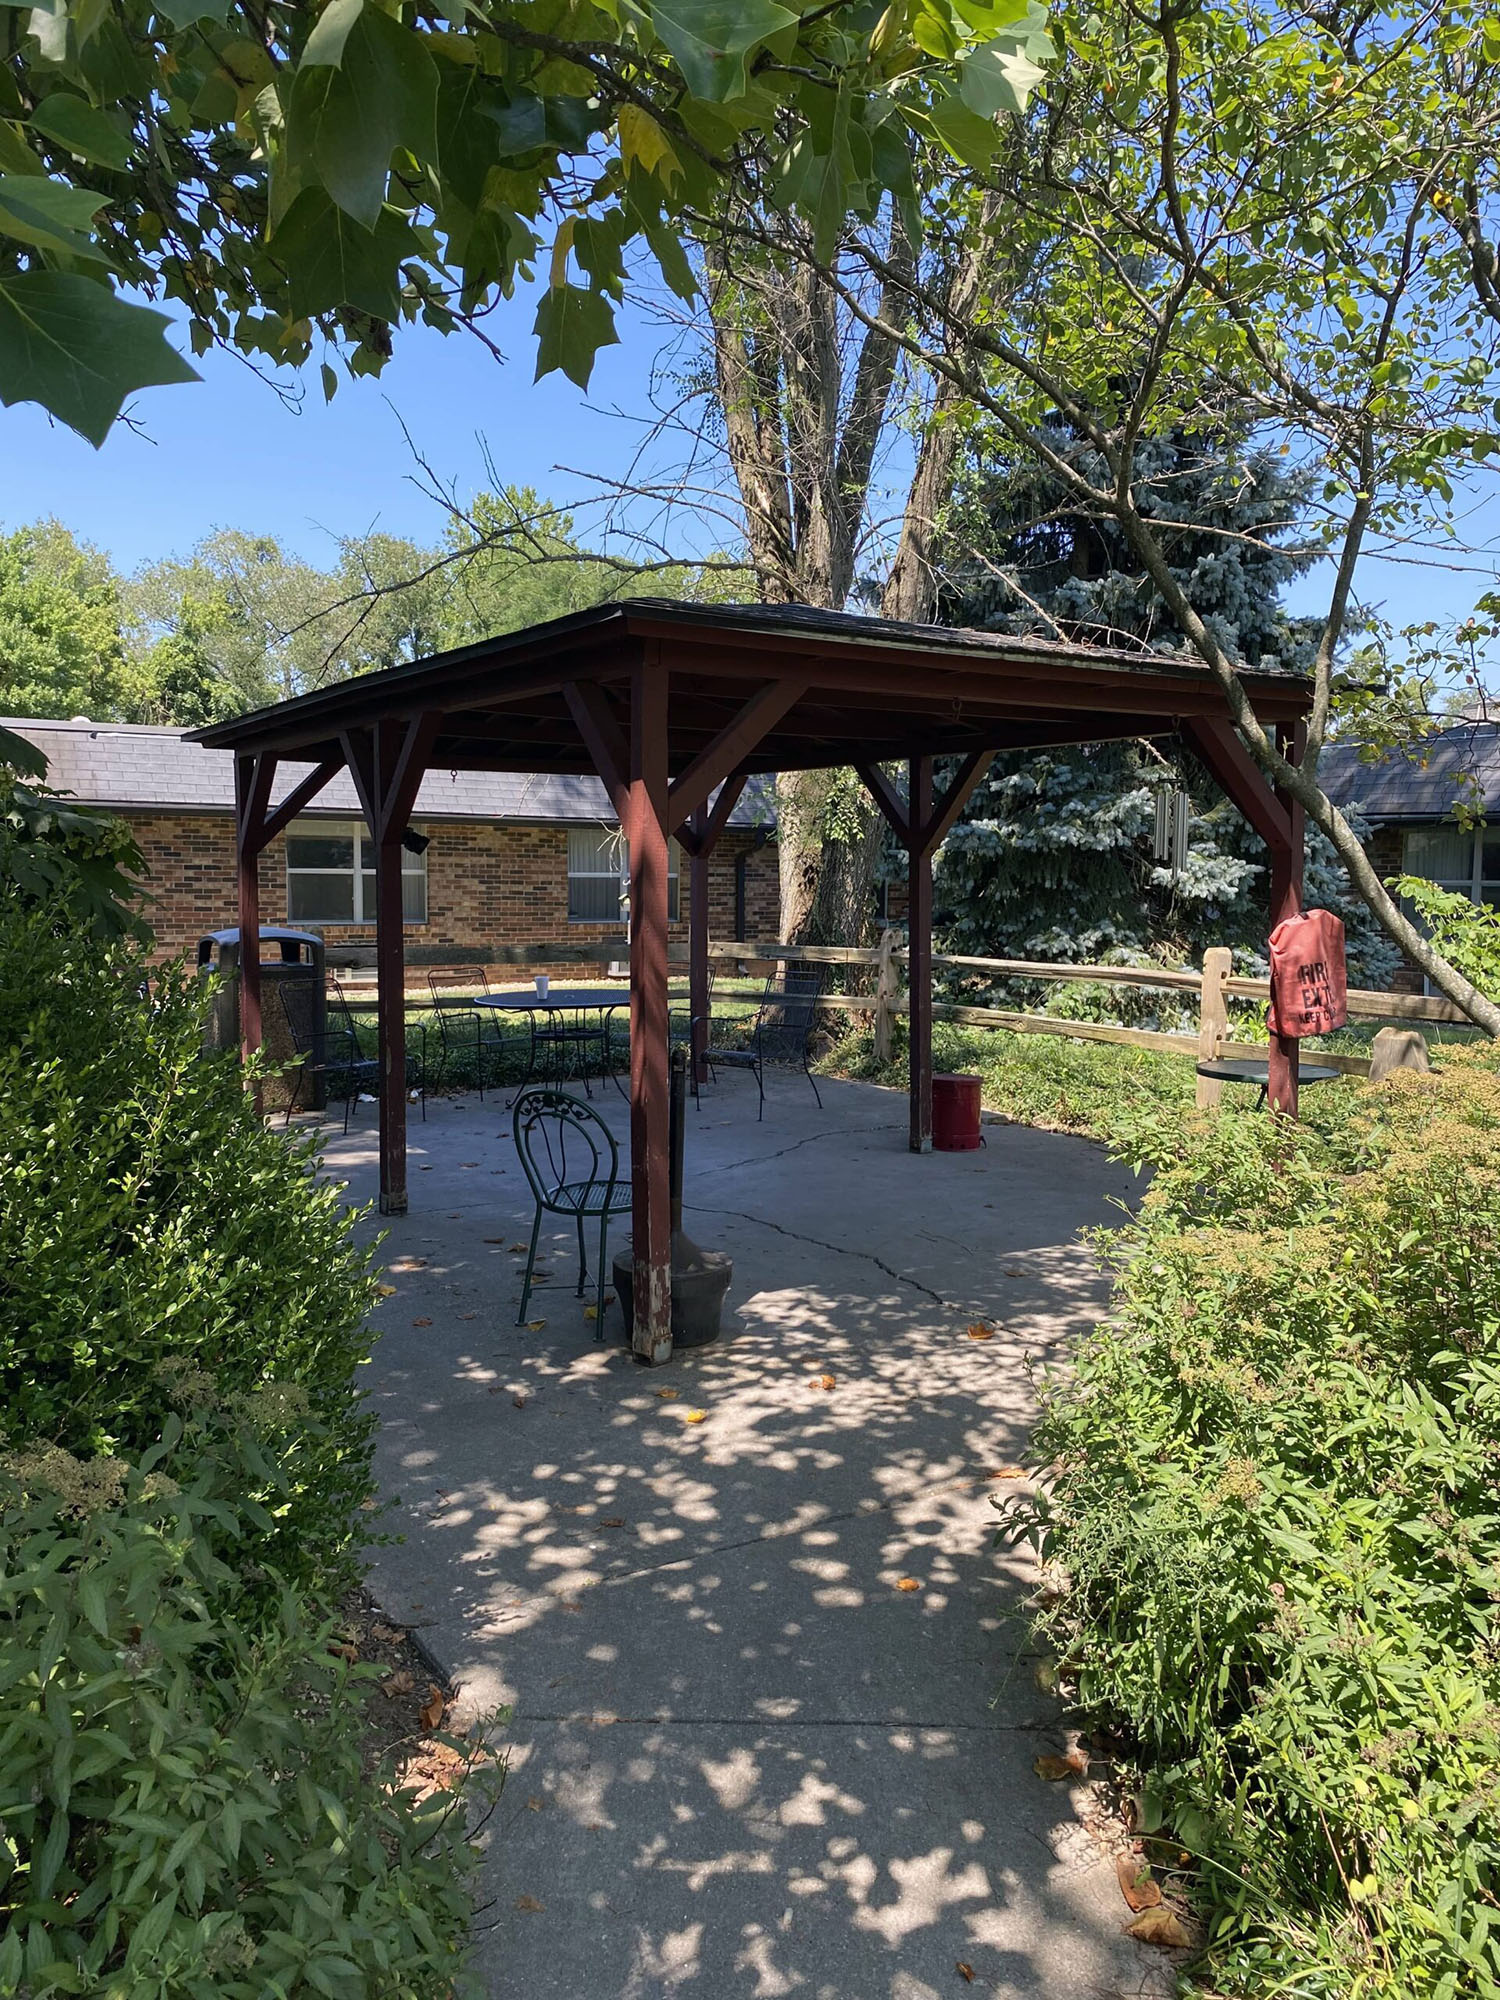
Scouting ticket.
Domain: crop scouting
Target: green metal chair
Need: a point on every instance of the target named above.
(572, 1163)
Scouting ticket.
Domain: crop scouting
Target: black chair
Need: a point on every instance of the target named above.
(345, 1057)
(573, 1165)
(680, 1024)
(458, 1029)
(783, 1030)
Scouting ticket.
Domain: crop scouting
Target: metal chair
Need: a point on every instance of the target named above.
(680, 1024)
(783, 1030)
(354, 1065)
(572, 1163)
(453, 1015)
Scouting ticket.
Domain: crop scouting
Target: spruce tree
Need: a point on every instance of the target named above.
(1053, 856)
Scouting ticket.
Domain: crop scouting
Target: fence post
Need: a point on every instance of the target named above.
(1213, 1020)
(885, 994)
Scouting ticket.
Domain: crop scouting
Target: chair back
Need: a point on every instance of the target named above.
(563, 1142)
(298, 1008)
(789, 1006)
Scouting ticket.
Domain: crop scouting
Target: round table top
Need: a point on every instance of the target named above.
(564, 997)
(1256, 1069)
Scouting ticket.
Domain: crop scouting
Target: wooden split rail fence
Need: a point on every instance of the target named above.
(1215, 985)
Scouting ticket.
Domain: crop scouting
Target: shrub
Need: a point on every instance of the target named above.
(147, 1216)
(183, 1811)
(1465, 932)
(1271, 1515)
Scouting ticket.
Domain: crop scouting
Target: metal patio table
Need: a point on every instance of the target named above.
(1257, 1069)
(566, 1010)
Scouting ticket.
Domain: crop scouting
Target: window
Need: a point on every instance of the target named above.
(330, 876)
(1457, 858)
(599, 876)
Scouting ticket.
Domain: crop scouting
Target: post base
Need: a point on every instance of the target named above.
(700, 1281)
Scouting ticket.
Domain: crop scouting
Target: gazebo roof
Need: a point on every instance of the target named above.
(870, 689)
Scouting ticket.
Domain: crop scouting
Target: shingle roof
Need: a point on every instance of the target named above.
(1423, 783)
(133, 767)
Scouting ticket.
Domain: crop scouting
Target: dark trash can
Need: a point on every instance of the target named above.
(955, 1114)
(293, 1007)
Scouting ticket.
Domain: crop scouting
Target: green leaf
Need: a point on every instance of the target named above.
(49, 214)
(969, 138)
(571, 326)
(711, 39)
(72, 346)
(998, 77)
(331, 260)
(74, 123)
(183, 13)
(343, 123)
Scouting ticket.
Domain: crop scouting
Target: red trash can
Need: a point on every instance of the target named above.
(955, 1114)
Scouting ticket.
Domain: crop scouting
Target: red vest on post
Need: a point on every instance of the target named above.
(1309, 986)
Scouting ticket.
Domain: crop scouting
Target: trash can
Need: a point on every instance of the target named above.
(293, 1006)
(955, 1114)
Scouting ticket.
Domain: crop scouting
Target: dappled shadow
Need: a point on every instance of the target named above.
(745, 1761)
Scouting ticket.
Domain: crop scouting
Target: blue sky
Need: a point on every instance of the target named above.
(227, 453)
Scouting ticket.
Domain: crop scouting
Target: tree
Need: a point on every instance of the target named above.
(297, 178)
(60, 646)
(1279, 209)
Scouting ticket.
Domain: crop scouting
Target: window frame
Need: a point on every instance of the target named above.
(413, 868)
(1477, 882)
(610, 837)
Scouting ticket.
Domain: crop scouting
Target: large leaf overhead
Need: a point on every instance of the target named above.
(296, 179)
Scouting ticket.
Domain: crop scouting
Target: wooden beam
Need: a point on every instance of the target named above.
(254, 777)
(732, 745)
(644, 802)
(299, 796)
(1284, 1054)
(919, 958)
(889, 800)
(701, 834)
(1218, 743)
(589, 707)
(252, 780)
(968, 775)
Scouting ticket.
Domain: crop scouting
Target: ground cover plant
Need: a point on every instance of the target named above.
(1271, 1537)
(186, 1803)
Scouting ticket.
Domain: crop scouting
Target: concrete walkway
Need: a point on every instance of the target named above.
(744, 1764)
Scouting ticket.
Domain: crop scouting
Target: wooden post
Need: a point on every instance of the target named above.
(919, 955)
(698, 995)
(247, 856)
(1213, 1020)
(1286, 901)
(390, 995)
(885, 994)
(650, 1106)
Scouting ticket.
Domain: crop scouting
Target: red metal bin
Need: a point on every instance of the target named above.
(955, 1114)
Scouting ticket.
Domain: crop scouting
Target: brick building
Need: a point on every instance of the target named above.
(509, 859)
(1409, 798)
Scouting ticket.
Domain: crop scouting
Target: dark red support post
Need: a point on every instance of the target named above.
(650, 1107)
(252, 791)
(698, 1002)
(1286, 901)
(919, 953)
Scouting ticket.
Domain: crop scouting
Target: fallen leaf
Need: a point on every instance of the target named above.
(519, 1402)
(611, 1520)
(1007, 1472)
(694, 1416)
(518, 1249)
(432, 1709)
(979, 1331)
(341, 1649)
(421, 1322)
(1013, 1271)
(1074, 1765)
(533, 1805)
(591, 1312)
(669, 1395)
(1138, 1885)
(492, 1239)
(908, 1583)
(386, 1291)
(385, 1635)
(535, 1325)
(468, 1315)
(399, 1682)
(965, 1972)
(409, 1264)
(1159, 1926)
(529, 1903)
(822, 1382)
(468, 1163)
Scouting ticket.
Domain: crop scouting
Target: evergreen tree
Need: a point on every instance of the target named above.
(1053, 856)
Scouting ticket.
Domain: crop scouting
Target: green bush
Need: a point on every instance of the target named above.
(183, 1809)
(147, 1215)
(1272, 1525)
(1465, 932)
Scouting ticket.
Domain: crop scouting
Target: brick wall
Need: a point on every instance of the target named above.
(1384, 848)
(486, 885)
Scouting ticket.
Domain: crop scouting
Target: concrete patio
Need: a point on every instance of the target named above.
(743, 1763)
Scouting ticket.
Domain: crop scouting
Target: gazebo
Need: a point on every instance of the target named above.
(674, 706)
